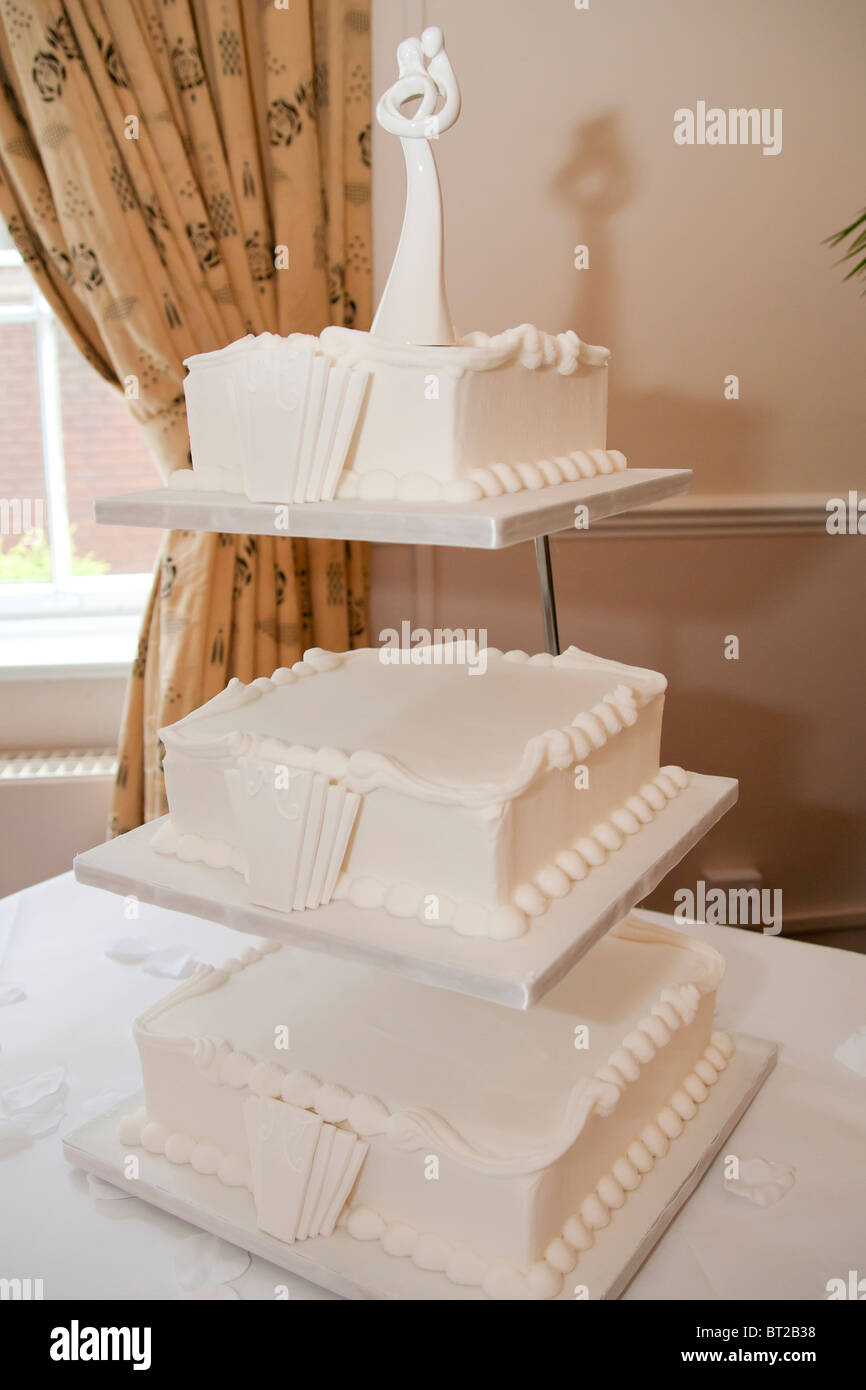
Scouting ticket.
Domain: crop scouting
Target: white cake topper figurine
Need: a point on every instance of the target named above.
(414, 305)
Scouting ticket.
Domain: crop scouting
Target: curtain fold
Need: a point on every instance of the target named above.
(177, 173)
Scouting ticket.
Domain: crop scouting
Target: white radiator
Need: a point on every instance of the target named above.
(32, 767)
(54, 803)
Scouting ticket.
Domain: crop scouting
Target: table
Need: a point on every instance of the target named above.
(810, 1115)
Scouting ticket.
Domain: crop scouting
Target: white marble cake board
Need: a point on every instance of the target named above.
(488, 524)
(361, 1270)
(514, 973)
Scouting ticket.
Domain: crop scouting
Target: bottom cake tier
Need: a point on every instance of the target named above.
(491, 1145)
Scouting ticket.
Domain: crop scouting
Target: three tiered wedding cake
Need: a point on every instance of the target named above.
(462, 789)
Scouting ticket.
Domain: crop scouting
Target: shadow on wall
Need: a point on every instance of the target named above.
(655, 429)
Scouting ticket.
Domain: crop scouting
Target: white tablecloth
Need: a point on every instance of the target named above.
(810, 1115)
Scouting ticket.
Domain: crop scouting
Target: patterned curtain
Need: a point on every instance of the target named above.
(159, 159)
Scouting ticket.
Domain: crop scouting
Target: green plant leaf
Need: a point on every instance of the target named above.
(856, 247)
(28, 560)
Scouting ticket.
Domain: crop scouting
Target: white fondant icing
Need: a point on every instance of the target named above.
(349, 414)
(407, 730)
(763, 1183)
(302, 1167)
(429, 1106)
(271, 417)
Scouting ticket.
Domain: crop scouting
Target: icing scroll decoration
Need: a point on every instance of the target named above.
(414, 305)
(293, 828)
(302, 1168)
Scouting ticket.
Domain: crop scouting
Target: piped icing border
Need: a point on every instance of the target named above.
(476, 352)
(507, 922)
(533, 898)
(364, 771)
(222, 1064)
(493, 480)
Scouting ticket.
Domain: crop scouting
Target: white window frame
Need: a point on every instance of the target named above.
(98, 605)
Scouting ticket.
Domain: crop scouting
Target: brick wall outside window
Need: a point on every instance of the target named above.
(104, 449)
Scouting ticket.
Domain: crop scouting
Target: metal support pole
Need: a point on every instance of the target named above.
(548, 598)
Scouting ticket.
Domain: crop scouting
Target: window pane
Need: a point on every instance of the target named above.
(24, 553)
(16, 282)
(16, 285)
(105, 453)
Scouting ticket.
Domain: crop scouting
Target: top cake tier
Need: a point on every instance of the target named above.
(349, 414)
(410, 411)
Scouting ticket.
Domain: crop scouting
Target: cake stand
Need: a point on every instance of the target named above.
(414, 310)
(490, 524)
(521, 973)
(514, 973)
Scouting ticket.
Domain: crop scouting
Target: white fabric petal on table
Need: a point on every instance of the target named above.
(102, 1191)
(852, 1052)
(13, 1136)
(203, 1260)
(175, 963)
(40, 1122)
(762, 1182)
(11, 994)
(211, 1293)
(37, 1092)
(129, 950)
(100, 1102)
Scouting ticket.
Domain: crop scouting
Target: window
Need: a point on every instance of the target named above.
(66, 437)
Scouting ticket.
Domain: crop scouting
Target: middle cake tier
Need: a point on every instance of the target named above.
(466, 788)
